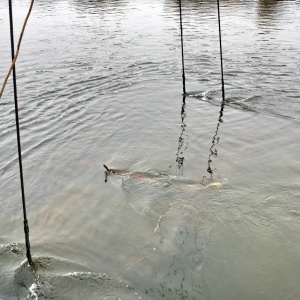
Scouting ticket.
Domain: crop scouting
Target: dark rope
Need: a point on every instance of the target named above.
(26, 228)
(221, 55)
(182, 56)
(216, 138)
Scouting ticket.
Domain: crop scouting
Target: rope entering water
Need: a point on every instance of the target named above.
(182, 53)
(221, 54)
(26, 228)
(216, 138)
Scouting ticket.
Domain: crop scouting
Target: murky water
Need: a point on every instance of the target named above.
(100, 82)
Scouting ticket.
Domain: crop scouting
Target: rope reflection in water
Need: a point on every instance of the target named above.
(181, 148)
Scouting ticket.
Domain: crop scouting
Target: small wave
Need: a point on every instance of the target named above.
(252, 104)
(55, 278)
(133, 155)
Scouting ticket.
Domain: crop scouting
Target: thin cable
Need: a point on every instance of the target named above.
(182, 56)
(221, 55)
(216, 138)
(26, 228)
(18, 48)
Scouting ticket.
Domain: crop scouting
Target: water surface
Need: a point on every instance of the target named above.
(100, 82)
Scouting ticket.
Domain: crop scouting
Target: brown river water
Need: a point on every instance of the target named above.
(99, 82)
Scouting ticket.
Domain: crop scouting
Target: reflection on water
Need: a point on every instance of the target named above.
(268, 13)
(213, 150)
(181, 140)
(268, 9)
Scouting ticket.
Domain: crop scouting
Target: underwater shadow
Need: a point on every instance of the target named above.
(182, 146)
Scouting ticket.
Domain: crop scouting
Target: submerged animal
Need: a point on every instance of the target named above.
(135, 175)
(160, 178)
